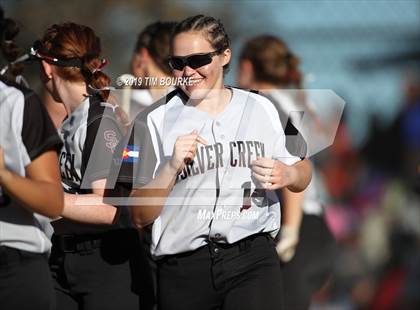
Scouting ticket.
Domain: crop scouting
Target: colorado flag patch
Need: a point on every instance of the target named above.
(131, 154)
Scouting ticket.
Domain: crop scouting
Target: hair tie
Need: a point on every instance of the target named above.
(103, 63)
(98, 90)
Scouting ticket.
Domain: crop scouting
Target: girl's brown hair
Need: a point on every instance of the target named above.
(71, 40)
(272, 61)
(155, 38)
(212, 28)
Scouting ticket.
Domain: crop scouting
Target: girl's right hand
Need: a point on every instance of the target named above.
(184, 149)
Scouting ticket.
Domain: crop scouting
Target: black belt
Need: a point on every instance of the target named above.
(76, 243)
(242, 244)
(216, 246)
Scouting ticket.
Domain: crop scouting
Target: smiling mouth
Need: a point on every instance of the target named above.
(194, 82)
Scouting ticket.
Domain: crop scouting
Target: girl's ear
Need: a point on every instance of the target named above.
(47, 69)
(227, 54)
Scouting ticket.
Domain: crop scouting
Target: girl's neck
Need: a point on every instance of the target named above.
(215, 101)
(72, 95)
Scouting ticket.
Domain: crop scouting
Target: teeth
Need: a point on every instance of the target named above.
(195, 81)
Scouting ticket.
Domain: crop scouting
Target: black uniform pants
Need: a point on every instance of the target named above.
(103, 272)
(312, 264)
(245, 275)
(25, 281)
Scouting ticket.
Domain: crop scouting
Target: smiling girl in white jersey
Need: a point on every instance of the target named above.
(213, 222)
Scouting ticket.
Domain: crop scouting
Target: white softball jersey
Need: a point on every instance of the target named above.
(215, 196)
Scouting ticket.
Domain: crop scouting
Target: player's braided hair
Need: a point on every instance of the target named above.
(273, 61)
(213, 29)
(10, 51)
(155, 38)
(71, 40)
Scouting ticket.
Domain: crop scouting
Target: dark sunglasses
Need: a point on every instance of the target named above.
(193, 61)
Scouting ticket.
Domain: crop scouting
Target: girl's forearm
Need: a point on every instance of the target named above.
(42, 197)
(88, 209)
(150, 199)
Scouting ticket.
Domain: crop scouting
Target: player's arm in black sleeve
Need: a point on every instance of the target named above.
(102, 137)
(38, 132)
(40, 191)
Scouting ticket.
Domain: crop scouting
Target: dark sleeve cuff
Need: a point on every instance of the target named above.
(52, 143)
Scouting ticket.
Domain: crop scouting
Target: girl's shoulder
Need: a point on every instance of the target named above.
(254, 98)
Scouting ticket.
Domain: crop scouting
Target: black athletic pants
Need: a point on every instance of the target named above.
(25, 281)
(107, 271)
(312, 264)
(245, 275)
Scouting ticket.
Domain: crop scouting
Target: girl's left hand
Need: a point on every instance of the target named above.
(273, 174)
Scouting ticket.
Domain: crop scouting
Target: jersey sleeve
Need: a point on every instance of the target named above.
(280, 151)
(295, 142)
(102, 137)
(134, 161)
(145, 167)
(38, 132)
(126, 157)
